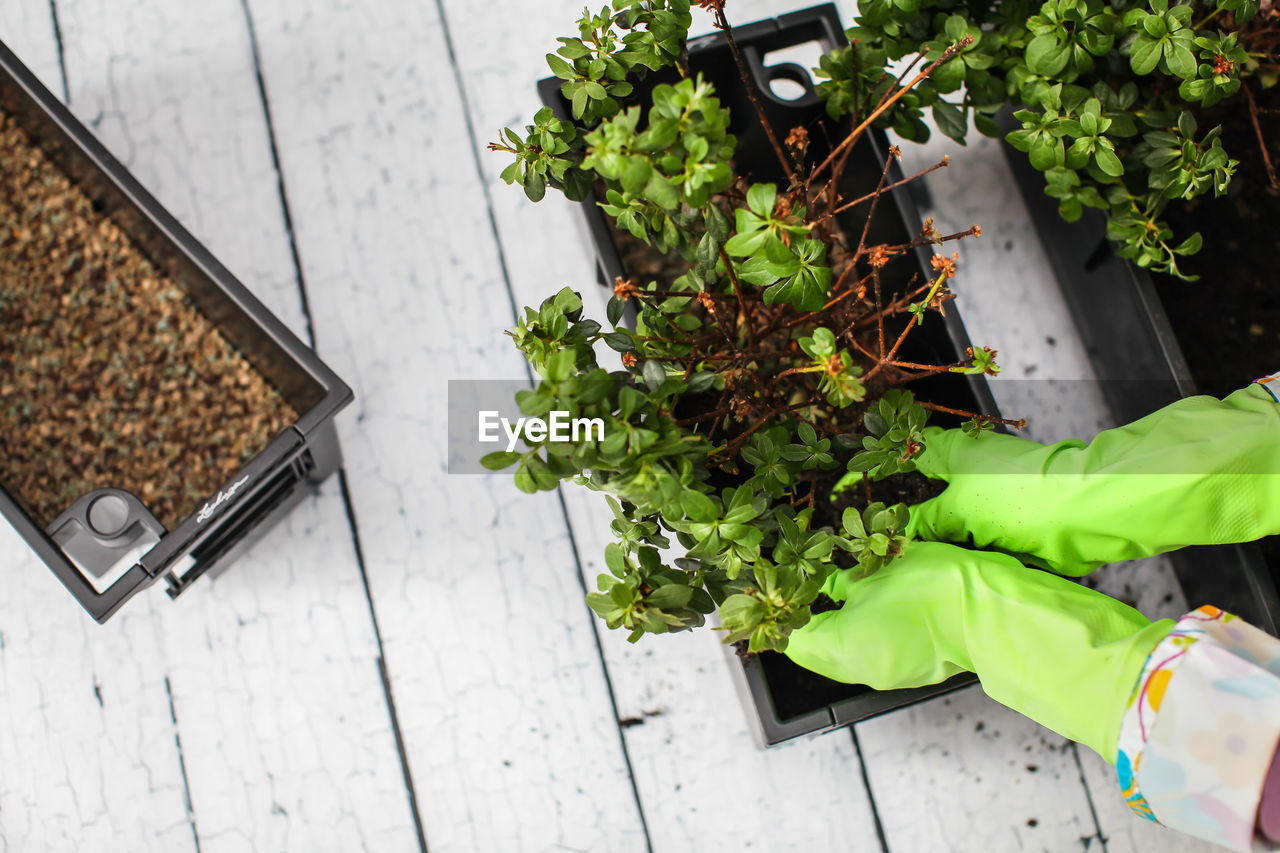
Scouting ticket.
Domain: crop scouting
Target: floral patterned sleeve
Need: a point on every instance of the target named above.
(1201, 728)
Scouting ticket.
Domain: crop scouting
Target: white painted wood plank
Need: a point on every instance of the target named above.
(507, 720)
(1011, 301)
(962, 773)
(693, 743)
(86, 739)
(286, 736)
(26, 28)
(86, 736)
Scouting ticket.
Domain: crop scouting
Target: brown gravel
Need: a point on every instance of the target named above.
(109, 376)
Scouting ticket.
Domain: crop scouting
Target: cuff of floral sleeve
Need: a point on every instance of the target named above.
(1201, 727)
(1270, 384)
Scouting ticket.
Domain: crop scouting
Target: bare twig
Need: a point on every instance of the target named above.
(1020, 423)
(1262, 143)
(748, 319)
(857, 132)
(722, 23)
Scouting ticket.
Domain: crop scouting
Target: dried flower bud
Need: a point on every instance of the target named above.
(798, 142)
(628, 359)
(946, 266)
(624, 290)
(705, 300)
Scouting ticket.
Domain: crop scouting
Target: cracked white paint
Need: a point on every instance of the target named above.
(493, 657)
(500, 689)
(285, 735)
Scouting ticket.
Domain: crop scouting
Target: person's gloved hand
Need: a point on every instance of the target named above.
(1060, 653)
(1194, 472)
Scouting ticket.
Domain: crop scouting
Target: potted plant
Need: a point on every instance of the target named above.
(155, 414)
(1123, 103)
(1144, 111)
(783, 351)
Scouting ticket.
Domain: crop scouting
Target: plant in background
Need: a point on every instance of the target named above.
(1114, 94)
(765, 351)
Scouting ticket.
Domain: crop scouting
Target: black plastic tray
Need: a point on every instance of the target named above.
(265, 488)
(1140, 368)
(771, 681)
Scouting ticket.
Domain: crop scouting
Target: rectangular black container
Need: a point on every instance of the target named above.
(788, 701)
(266, 487)
(1140, 368)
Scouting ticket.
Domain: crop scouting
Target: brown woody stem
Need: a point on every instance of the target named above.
(857, 132)
(722, 23)
(934, 407)
(1262, 143)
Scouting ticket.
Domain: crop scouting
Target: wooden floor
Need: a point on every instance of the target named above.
(407, 663)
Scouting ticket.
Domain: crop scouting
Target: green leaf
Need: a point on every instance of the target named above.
(758, 270)
(500, 459)
(698, 507)
(614, 310)
(1180, 60)
(852, 522)
(535, 186)
(743, 244)
(741, 609)
(672, 596)
(661, 192)
(1047, 56)
(1190, 246)
(560, 68)
(761, 198)
(718, 224)
(1144, 55)
(950, 120)
(1108, 162)
(653, 374)
(1155, 26)
(579, 102)
(635, 175)
(1187, 124)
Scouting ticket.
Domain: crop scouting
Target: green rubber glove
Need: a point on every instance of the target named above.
(1200, 471)
(1060, 653)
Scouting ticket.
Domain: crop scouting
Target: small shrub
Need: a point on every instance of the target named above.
(749, 373)
(1116, 95)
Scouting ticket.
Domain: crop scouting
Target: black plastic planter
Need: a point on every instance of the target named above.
(1141, 368)
(106, 546)
(790, 701)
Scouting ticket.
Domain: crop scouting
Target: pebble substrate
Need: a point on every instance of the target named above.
(109, 375)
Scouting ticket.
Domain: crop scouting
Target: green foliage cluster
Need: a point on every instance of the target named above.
(746, 379)
(1110, 92)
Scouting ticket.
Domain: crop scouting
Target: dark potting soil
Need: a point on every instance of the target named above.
(1228, 322)
(109, 376)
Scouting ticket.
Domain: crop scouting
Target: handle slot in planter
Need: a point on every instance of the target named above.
(109, 541)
